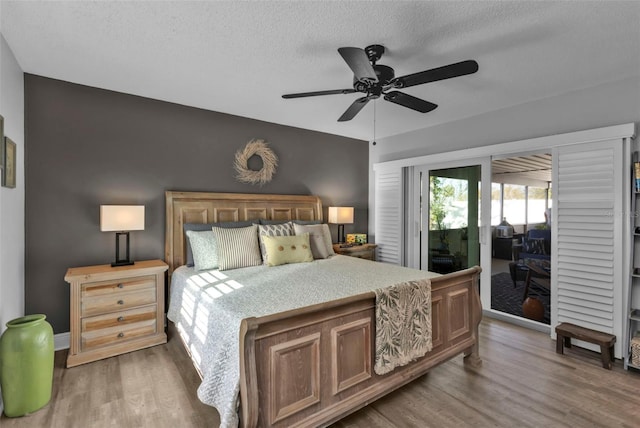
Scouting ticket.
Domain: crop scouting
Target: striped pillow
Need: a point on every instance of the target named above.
(237, 247)
(284, 229)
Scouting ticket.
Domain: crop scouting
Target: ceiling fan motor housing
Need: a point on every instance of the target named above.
(374, 52)
(384, 74)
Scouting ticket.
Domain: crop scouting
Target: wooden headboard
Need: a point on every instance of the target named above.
(204, 207)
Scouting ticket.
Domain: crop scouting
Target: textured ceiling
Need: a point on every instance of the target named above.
(240, 57)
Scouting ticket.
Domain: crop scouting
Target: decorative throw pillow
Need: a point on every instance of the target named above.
(287, 249)
(319, 238)
(207, 226)
(205, 249)
(284, 229)
(237, 247)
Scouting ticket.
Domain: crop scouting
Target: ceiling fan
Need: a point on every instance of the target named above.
(375, 80)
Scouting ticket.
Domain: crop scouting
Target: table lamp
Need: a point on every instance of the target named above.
(121, 219)
(341, 216)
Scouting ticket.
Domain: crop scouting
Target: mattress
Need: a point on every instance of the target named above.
(207, 308)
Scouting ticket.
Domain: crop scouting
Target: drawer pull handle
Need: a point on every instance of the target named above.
(120, 334)
(120, 319)
(120, 285)
(121, 302)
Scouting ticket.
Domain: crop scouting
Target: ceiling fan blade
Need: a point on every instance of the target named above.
(410, 101)
(358, 61)
(446, 72)
(354, 109)
(316, 93)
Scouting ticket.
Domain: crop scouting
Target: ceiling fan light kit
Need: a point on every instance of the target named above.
(377, 80)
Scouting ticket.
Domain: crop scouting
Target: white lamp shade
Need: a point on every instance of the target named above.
(120, 218)
(341, 215)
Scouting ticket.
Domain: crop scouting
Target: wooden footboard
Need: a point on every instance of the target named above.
(313, 366)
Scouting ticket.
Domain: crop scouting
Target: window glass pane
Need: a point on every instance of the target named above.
(536, 206)
(514, 204)
(495, 204)
(449, 203)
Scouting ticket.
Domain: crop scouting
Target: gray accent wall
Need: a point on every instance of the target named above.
(87, 147)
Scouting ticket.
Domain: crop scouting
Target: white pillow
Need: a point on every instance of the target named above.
(319, 238)
(237, 247)
(204, 249)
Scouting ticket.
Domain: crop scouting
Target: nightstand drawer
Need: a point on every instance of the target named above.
(131, 316)
(118, 286)
(113, 335)
(115, 302)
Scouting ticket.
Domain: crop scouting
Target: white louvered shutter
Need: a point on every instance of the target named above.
(388, 215)
(588, 233)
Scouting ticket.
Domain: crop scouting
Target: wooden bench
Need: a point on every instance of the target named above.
(565, 331)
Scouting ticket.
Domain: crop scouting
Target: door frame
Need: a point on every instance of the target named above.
(416, 240)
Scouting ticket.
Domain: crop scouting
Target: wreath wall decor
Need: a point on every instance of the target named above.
(269, 163)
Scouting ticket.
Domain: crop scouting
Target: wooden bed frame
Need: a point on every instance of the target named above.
(331, 345)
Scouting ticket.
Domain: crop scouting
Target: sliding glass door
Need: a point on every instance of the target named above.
(452, 214)
(453, 222)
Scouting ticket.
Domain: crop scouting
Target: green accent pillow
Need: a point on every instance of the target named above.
(287, 249)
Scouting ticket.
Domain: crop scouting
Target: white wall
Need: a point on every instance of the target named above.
(609, 104)
(600, 106)
(12, 200)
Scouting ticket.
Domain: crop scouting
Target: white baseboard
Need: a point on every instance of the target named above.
(61, 341)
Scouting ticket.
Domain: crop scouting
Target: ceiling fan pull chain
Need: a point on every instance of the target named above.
(374, 122)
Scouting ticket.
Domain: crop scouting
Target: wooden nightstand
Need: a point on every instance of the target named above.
(364, 251)
(115, 309)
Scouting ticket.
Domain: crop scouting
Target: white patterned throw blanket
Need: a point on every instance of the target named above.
(403, 324)
(207, 308)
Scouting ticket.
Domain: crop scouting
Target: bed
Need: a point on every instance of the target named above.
(329, 342)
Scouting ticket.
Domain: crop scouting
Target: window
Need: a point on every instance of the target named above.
(536, 204)
(514, 203)
(519, 204)
(496, 204)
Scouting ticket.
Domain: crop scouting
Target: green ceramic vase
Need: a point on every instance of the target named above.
(26, 365)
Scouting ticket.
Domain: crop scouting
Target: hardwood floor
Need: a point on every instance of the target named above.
(153, 387)
(522, 383)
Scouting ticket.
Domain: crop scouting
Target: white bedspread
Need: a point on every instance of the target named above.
(208, 306)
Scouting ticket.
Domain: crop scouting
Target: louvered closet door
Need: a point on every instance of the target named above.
(588, 231)
(388, 212)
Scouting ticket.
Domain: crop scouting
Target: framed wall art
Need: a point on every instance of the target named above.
(9, 164)
(1, 146)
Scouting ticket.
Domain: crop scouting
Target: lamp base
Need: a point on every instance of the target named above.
(124, 261)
